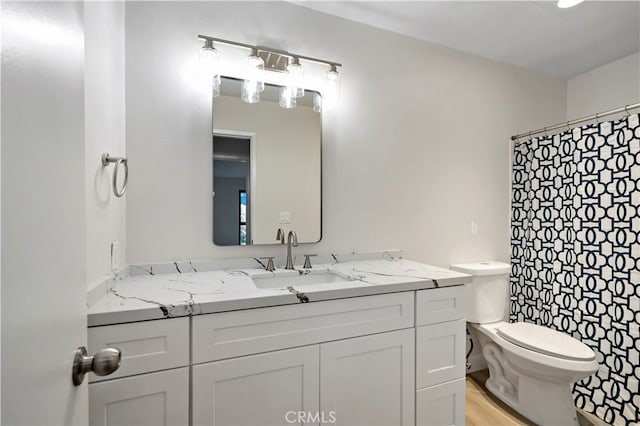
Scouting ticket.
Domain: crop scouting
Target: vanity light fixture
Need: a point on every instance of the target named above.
(331, 90)
(209, 56)
(267, 64)
(295, 73)
(250, 91)
(287, 97)
(256, 67)
(317, 102)
(564, 4)
(215, 85)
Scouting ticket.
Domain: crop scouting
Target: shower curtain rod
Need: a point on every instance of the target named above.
(597, 116)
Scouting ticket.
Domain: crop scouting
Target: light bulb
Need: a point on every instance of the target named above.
(287, 97)
(331, 91)
(209, 57)
(564, 4)
(332, 74)
(295, 73)
(250, 93)
(256, 68)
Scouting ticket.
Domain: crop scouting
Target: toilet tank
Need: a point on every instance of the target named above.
(488, 294)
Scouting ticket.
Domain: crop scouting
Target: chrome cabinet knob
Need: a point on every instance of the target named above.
(103, 363)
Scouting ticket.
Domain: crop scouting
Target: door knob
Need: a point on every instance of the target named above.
(103, 363)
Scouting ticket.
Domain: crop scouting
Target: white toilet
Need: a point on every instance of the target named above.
(531, 367)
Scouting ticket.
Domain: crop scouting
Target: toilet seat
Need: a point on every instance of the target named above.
(545, 341)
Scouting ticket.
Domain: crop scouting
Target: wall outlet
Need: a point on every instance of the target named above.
(284, 217)
(115, 252)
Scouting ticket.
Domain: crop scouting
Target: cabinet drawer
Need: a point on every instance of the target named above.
(231, 334)
(160, 398)
(441, 405)
(439, 305)
(440, 353)
(145, 346)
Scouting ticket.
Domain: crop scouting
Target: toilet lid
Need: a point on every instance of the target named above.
(546, 341)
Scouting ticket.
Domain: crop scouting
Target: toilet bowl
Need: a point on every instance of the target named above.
(531, 367)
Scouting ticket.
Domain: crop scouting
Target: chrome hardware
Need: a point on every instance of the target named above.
(292, 238)
(280, 236)
(269, 266)
(103, 363)
(119, 161)
(307, 260)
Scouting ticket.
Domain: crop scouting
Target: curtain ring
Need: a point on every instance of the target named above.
(568, 128)
(598, 118)
(626, 108)
(545, 132)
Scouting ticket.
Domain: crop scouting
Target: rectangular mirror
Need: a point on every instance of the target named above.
(267, 167)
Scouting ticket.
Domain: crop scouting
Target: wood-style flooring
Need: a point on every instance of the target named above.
(484, 409)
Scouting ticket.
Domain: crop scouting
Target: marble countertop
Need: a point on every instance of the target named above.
(147, 297)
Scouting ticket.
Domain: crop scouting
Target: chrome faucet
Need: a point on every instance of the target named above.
(292, 238)
(280, 236)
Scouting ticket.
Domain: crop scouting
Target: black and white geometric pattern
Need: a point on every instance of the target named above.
(575, 253)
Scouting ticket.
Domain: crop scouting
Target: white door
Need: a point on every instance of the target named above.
(274, 388)
(43, 212)
(369, 380)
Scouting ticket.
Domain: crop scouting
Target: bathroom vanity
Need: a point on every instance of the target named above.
(360, 342)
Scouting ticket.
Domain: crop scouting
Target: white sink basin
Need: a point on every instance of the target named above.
(296, 281)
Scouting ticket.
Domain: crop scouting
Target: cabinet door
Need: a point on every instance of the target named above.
(264, 389)
(148, 399)
(441, 405)
(369, 380)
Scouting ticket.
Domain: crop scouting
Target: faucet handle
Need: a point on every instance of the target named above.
(307, 260)
(269, 267)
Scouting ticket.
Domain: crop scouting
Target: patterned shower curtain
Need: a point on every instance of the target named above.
(575, 253)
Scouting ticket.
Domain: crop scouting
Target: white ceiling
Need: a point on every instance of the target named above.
(536, 35)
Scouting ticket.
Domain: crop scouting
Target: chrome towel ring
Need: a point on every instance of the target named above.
(119, 161)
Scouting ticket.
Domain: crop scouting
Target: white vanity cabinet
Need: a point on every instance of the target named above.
(440, 356)
(151, 387)
(334, 378)
(388, 359)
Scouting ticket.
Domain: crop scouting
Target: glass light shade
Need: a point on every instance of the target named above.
(564, 4)
(295, 73)
(209, 57)
(317, 102)
(330, 93)
(215, 86)
(287, 97)
(256, 68)
(250, 93)
(332, 74)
